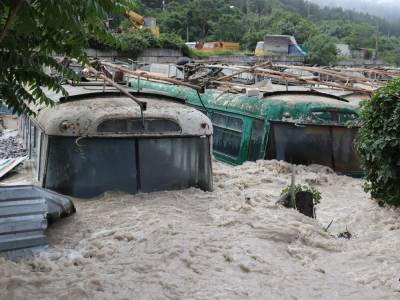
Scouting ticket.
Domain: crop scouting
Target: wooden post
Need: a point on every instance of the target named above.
(126, 92)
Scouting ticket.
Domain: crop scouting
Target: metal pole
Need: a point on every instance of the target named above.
(293, 187)
(187, 32)
(377, 42)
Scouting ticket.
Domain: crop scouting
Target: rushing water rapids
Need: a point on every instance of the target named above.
(233, 243)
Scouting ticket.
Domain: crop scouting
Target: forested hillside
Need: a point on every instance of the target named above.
(247, 21)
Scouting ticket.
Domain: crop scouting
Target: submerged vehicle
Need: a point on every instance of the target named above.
(300, 127)
(97, 140)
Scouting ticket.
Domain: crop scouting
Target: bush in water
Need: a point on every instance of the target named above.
(304, 188)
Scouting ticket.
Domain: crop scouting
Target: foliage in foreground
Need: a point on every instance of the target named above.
(378, 143)
(31, 32)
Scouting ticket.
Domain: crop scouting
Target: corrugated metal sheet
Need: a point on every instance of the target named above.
(22, 223)
(6, 165)
(22, 240)
(25, 212)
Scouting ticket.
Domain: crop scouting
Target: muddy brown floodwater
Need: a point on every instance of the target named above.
(233, 243)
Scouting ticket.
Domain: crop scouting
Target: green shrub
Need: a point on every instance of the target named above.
(304, 188)
(173, 41)
(322, 50)
(137, 41)
(378, 143)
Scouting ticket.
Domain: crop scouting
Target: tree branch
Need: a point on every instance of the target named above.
(10, 19)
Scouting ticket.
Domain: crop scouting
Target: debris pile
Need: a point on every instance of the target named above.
(11, 147)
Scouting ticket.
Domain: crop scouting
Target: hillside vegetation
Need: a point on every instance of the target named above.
(247, 21)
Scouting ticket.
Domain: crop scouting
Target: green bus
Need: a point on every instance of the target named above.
(300, 127)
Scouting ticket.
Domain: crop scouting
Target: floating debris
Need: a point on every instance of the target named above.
(345, 235)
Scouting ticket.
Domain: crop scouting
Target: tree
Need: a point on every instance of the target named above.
(321, 50)
(229, 27)
(304, 30)
(138, 40)
(378, 143)
(173, 21)
(362, 36)
(33, 32)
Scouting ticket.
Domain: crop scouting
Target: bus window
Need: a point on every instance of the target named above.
(34, 145)
(227, 134)
(332, 116)
(32, 141)
(174, 163)
(256, 138)
(90, 166)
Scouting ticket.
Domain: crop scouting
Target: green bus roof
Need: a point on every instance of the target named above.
(271, 105)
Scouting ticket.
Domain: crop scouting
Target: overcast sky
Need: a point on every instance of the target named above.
(389, 9)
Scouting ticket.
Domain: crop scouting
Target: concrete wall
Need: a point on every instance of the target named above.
(344, 50)
(159, 56)
(101, 53)
(147, 56)
(9, 122)
(277, 59)
(361, 62)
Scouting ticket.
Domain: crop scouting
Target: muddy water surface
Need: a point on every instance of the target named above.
(233, 243)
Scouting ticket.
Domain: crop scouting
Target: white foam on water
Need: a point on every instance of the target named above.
(233, 243)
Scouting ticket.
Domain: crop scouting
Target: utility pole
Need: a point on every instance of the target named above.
(189, 16)
(377, 41)
(163, 5)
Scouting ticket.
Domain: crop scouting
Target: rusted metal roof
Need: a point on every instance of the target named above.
(87, 108)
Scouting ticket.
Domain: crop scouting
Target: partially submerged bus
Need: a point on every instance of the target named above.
(300, 127)
(97, 140)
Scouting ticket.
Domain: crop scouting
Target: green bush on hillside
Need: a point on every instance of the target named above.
(378, 143)
(322, 50)
(137, 41)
